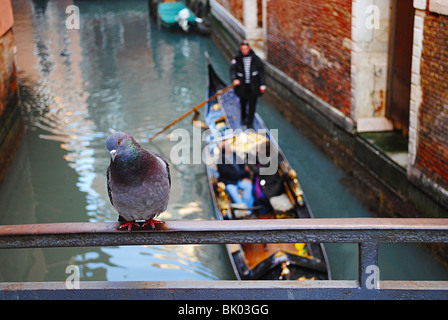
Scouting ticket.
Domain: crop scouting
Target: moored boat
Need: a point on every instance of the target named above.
(176, 15)
(292, 261)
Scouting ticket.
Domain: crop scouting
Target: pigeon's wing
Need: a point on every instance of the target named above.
(168, 171)
(109, 191)
(166, 163)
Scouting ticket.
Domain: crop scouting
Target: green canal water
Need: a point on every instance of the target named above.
(120, 71)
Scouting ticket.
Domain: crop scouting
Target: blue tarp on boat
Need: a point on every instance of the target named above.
(168, 12)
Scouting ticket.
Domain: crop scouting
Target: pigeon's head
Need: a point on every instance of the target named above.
(120, 145)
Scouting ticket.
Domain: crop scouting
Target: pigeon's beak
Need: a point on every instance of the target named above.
(113, 153)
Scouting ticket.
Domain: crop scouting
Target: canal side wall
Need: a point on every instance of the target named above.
(11, 123)
(324, 72)
(428, 149)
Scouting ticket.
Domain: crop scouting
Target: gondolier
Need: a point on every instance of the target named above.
(247, 73)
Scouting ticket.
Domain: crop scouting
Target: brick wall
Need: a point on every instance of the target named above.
(8, 83)
(432, 147)
(235, 8)
(309, 41)
(11, 124)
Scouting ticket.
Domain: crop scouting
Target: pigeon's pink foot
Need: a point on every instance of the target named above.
(129, 224)
(151, 223)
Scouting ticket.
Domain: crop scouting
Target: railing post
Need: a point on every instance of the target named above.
(368, 273)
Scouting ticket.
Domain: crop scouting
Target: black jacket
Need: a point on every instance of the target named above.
(230, 172)
(256, 73)
(273, 184)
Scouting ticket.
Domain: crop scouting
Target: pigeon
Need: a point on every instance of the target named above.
(138, 181)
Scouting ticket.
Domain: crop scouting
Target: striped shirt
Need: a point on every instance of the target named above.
(247, 60)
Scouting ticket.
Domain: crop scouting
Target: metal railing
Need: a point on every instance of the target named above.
(367, 232)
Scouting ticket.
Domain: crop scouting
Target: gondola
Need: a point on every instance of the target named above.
(289, 261)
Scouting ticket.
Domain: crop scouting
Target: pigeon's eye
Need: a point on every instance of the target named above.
(119, 142)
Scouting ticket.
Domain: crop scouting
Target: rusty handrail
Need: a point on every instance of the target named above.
(367, 232)
(348, 230)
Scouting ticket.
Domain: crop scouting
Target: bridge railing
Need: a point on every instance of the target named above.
(368, 233)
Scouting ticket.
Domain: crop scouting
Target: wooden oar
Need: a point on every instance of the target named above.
(195, 109)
